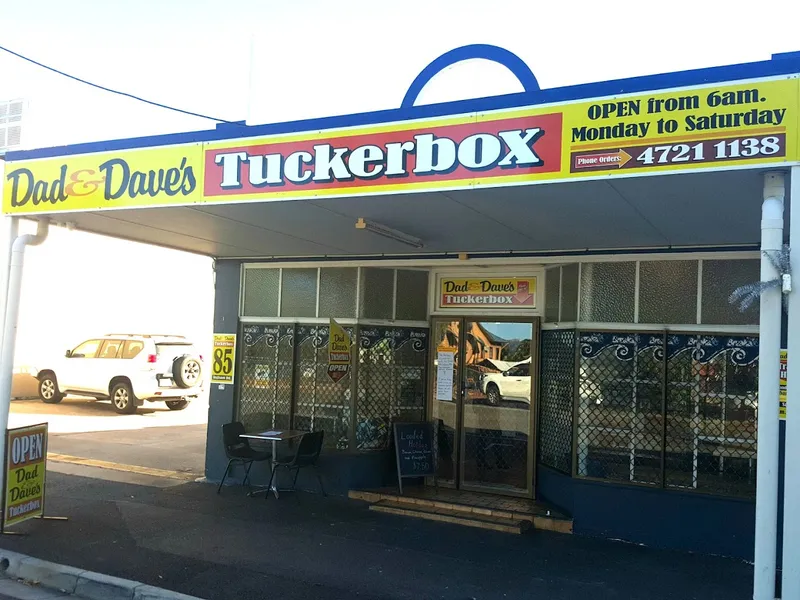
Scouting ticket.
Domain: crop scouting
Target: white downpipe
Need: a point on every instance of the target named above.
(9, 233)
(766, 539)
(790, 583)
(10, 323)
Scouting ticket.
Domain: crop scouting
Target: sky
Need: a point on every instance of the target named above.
(274, 61)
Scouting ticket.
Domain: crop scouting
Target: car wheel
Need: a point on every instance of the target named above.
(187, 371)
(122, 398)
(177, 404)
(48, 389)
(493, 394)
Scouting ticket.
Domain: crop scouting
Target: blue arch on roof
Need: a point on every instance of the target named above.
(496, 54)
(785, 64)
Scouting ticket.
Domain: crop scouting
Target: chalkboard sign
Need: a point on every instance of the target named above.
(415, 451)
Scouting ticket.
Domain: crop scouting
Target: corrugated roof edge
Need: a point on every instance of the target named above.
(786, 63)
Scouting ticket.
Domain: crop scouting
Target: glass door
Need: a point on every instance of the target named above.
(496, 441)
(483, 392)
(446, 336)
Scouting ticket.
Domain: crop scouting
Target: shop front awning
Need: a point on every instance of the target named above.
(706, 209)
(665, 161)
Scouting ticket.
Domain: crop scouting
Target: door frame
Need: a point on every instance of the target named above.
(533, 438)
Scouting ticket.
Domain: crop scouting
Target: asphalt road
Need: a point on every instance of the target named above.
(154, 437)
(184, 537)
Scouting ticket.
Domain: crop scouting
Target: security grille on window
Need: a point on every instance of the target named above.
(320, 403)
(669, 410)
(556, 400)
(266, 377)
(712, 385)
(391, 381)
(620, 420)
(285, 383)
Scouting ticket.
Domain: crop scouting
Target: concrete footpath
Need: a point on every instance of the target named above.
(184, 537)
(43, 580)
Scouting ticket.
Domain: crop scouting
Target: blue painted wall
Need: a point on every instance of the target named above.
(220, 401)
(658, 518)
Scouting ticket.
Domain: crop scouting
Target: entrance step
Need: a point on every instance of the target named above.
(467, 505)
(457, 517)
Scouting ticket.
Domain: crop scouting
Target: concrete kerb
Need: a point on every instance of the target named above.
(78, 582)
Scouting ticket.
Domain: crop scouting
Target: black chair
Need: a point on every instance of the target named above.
(306, 455)
(239, 451)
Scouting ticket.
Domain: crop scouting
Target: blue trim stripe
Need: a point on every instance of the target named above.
(785, 64)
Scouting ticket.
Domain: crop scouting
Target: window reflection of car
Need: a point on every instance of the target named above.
(511, 384)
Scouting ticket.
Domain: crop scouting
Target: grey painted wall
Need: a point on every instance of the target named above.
(220, 402)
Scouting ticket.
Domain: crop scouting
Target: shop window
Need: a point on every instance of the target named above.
(337, 292)
(284, 383)
(607, 292)
(391, 382)
(552, 294)
(412, 295)
(676, 411)
(319, 402)
(711, 413)
(261, 292)
(720, 279)
(569, 293)
(377, 293)
(299, 293)
(265, 375)
(556, 401)
(668, 291)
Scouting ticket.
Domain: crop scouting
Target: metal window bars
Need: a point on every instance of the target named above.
(556, 399)
(667, 410)
(391, 381)
(284, 382)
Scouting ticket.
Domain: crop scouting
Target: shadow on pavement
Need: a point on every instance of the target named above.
(77, 407)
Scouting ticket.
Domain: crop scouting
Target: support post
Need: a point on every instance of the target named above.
(790, 584)
(8, 233)
(10, 323)
(766, 527)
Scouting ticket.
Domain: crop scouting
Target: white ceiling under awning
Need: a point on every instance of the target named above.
(679, 210)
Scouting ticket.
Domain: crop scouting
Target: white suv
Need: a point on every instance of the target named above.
(127, 369)
(513, 384)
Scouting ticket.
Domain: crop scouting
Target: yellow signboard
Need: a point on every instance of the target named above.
(782, 409)
(741, 124)
(224, 359)
(163, 175)
(488, 293)
(26, 454)
(338, 352)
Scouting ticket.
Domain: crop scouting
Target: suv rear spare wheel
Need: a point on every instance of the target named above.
(187, 371)
(177, 404)
(48, 389)
(122, 398)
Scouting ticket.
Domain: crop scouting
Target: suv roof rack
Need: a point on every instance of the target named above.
(145, 335)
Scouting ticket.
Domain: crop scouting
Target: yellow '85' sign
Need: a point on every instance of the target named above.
(224, 358)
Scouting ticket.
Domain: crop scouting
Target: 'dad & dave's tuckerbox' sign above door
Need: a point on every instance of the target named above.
(511, 292)
(742, 124)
